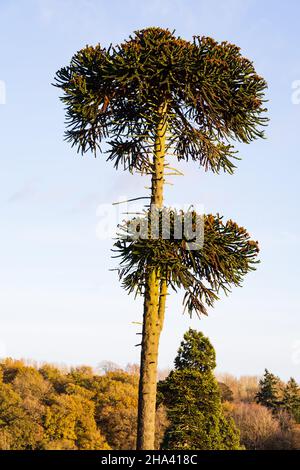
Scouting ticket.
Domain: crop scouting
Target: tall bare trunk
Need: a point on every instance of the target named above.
(154, 308)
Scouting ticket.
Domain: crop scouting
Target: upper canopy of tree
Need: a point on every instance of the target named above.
(211, 92)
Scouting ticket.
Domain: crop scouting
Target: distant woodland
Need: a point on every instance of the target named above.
(50, 407)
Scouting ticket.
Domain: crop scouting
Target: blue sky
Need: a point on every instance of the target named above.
(58, 300)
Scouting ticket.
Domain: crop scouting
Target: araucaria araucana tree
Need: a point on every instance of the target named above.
(153, 96)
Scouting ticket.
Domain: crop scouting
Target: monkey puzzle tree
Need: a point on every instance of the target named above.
(152, 96)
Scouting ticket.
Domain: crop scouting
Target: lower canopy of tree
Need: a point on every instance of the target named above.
(221, 261)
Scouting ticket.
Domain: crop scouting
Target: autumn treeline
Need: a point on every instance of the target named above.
(266, 410)
(51, 407)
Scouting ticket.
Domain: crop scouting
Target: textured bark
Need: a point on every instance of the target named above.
(154, 308)
(162, 302)
(157, 184)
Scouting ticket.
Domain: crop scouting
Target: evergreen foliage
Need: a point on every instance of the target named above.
(192, 397)
(291, 399)
(269, 391)
(228, 253)
(213, 93)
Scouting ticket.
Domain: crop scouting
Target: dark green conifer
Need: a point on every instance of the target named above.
(192, 397)
(269, 391)
(291, 399)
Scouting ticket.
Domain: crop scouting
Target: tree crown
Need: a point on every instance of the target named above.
(195, 353)
(192, 397)
(269, 388)
(213, 95)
